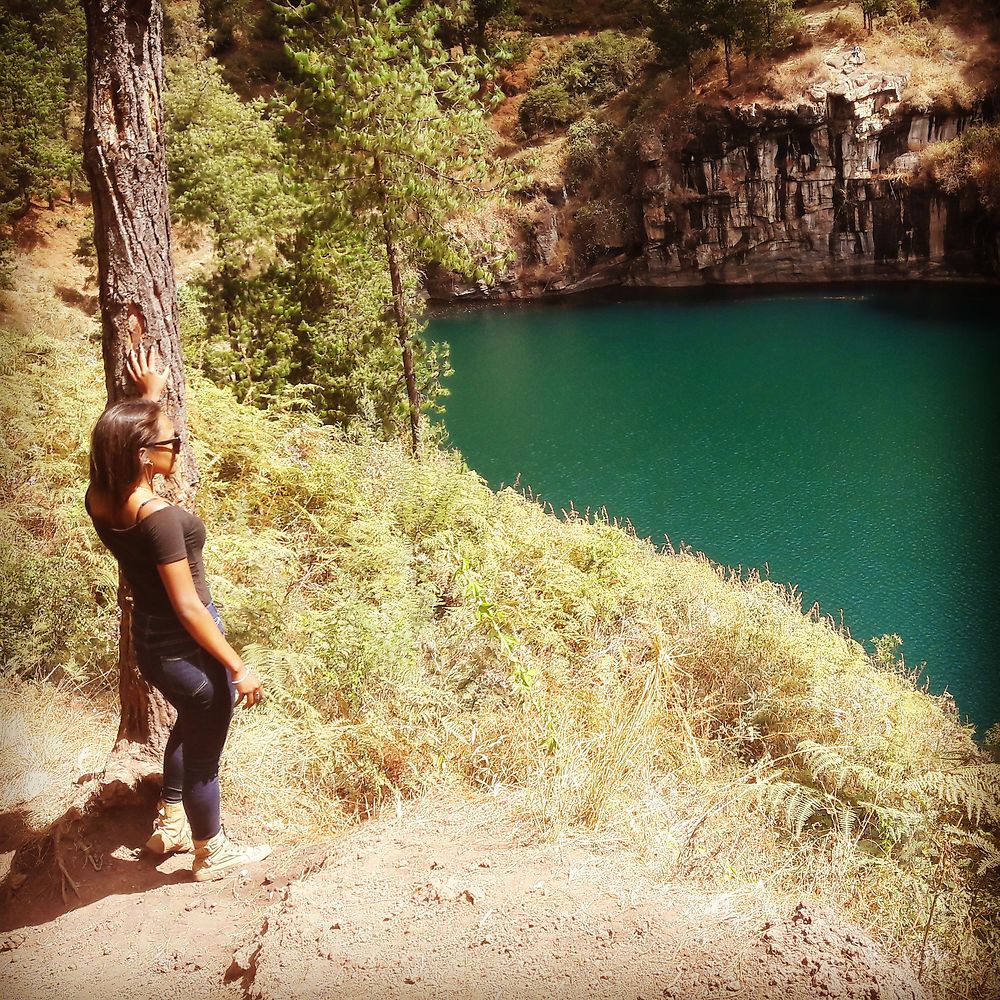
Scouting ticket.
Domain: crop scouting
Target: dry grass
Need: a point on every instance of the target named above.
(48, 739)
(949, 61)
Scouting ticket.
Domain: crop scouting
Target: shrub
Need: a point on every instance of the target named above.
(599, 67)
(971, 161)
(590, 70)
(544, 108)
(590, 141)
(600, 226)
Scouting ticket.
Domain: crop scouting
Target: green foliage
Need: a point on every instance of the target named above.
(57, 605)
(970, 161)
(41, 77)
(682, 29)
(587, 71)
(546, 107)
(599, 67)
(885, 649)
(393, 123)
(225, 167)
(294, 313)
(474, 25)
(589, 143)
(487, 614)
(394, 143)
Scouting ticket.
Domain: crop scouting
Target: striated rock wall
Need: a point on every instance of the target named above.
(817, 193)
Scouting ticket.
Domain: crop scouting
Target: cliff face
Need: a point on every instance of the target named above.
(822, 192)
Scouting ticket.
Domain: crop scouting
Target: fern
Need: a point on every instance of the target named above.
(974, 788)
(788, 802)
(982, 843)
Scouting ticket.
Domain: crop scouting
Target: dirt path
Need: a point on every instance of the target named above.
(448, 899)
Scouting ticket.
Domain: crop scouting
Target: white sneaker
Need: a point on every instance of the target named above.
(213, 857)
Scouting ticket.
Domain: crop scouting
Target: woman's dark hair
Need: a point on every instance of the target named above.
(122, 429)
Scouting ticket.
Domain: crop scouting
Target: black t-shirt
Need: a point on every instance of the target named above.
(165, 536)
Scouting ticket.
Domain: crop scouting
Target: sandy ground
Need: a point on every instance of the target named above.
(446, 898)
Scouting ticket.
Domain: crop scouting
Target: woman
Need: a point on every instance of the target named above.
(178, 636)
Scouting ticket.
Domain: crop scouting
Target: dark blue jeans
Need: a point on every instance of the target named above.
(201, 690)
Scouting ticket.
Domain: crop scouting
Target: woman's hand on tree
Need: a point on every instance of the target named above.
(249, 689)
(140, 369)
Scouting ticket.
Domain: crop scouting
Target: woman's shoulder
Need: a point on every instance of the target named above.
(101, 509)
(160, 515)
(152, 506)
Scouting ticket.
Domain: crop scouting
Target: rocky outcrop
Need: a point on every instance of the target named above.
(821, 192)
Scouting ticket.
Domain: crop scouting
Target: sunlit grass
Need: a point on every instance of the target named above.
(700, 717)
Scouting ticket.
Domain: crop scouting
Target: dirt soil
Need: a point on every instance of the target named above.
(445, 898)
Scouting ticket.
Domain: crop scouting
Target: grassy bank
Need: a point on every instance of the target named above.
(415, 628)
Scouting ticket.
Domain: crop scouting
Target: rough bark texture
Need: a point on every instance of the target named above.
(125, 159)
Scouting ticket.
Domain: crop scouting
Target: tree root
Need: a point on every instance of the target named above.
(131, 777)
(65, 877)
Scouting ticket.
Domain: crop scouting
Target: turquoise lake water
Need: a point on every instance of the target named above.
(846, 443)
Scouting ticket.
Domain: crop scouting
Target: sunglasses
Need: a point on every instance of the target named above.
(174, 443)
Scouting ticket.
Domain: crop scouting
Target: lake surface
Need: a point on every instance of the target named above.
(846, 443)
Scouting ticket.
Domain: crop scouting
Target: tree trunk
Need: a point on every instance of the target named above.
(125, 159)
(402, 322)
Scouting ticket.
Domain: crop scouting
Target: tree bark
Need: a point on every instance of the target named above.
(402, 320)
(125, 159)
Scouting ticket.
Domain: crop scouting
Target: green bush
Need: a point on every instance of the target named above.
(600, 67)
(544, 108)
(587, 71)
(590, 141)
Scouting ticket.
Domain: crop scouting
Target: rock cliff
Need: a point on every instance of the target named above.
(818, 193)
(821, 192)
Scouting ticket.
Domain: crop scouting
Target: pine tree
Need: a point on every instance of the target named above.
(680, 29)
(34, 152)
(392, 130)
(125, 156)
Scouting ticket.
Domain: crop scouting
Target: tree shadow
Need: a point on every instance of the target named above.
(93, 857)
(79, 300)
